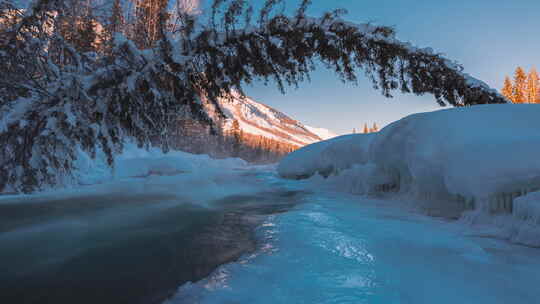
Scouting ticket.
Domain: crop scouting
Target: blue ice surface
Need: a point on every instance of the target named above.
(344, 249)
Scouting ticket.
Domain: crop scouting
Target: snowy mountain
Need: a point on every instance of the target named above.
(259, 119)
(322, 133)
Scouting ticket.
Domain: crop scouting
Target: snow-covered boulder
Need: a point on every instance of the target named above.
(326, 157)
(488, 153)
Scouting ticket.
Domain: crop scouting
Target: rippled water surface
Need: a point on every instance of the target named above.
(125, 246)
(340, 249)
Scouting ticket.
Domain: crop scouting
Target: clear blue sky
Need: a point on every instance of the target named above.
(488, 37)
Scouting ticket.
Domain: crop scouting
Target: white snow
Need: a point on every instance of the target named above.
(528, 208)
(184, 175)
(326, 157)
(476, 152)
(323, 133)
(478, 158)
(258, 119)
(135, 162)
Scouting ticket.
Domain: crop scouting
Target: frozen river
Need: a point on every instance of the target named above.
(281, 244)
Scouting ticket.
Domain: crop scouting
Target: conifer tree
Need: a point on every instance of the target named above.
(366, 130)
(117, 21)
(533, 86)
(77, 25)
(520, 86)
(375, 128)
(508, 89)
(236, 133)
(11, 14)
(146, 27)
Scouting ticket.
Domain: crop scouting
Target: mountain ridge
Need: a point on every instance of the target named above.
(260, 119)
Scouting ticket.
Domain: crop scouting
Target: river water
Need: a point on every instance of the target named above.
(282, 244)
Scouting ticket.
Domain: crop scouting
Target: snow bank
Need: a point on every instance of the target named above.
(136, 162)
(487, 153)
(177, 177)
(476, 162)
(189, 177)
(326, 157)
(483, 154)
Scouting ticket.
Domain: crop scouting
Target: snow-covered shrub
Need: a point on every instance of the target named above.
(326, 157)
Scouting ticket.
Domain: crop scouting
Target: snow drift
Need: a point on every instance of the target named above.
(190, 177)
(477, 159)
(136, 162)
(481, 153)
(326, 157)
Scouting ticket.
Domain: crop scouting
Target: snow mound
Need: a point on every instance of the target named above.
(326, 157)
(478, 163)
(483, 153)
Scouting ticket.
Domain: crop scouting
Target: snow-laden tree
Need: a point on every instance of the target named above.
(56, 100)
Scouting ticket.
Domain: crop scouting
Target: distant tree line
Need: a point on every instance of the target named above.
(194, 137)
(373, 129)
(366, 130)
(524, 87)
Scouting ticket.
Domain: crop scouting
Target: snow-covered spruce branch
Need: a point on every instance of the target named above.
(57, 99)
(285, 49)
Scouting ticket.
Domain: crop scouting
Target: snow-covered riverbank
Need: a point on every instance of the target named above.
(474, 163)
